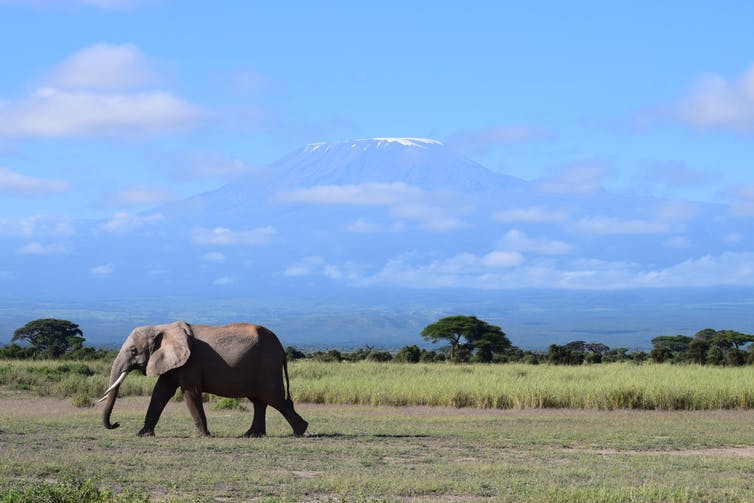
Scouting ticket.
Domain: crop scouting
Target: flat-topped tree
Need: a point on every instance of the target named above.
(468, 334)
(50, 337)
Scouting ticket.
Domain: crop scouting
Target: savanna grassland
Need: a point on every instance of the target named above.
(392, 432)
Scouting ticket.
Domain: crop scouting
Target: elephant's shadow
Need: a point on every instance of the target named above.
(366, 435)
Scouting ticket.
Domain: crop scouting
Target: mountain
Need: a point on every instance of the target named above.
(366, 241)
(385, 163)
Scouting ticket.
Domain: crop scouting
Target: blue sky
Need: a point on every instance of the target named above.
(111, 106)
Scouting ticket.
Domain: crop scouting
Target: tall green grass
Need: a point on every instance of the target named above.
(519, 386)
(56, 378)
(604, 387)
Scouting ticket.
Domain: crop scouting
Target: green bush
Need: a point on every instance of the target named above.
(228, 404)
(409, 354)
(81, 400)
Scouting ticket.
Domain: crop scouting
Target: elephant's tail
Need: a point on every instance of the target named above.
(287, 382)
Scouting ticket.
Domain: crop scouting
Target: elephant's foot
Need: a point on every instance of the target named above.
(300, 428)
(254, 433)
(203, 433)
(144, 432)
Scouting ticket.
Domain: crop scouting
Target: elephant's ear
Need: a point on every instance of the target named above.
(172, 348)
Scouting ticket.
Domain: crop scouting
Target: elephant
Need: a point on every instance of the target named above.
(235, 360)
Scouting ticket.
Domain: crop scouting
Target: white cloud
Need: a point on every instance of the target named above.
(36, 226)
(498, 259)
(616, 226)
(58, 114)
(37, 248)
(404, 202)
(583, 178)
(518, 241)
(724, 269)
(465, 270)
(530, 215)
(102, 270)
(94, 93)
(312, 265)
(366, 227)
(22, 185)
(125, 222)
(468, 270)
(429, 216)
(223, 280)
(364, 194)
(224, 237)
(717, 102)
(138, 196)
(104, 67)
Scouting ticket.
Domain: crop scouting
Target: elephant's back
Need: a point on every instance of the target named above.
(236, 340)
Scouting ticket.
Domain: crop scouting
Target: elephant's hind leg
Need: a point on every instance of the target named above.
(285, 407)
(258, 424)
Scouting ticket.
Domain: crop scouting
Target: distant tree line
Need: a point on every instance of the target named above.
(467, 339)
(707, 347)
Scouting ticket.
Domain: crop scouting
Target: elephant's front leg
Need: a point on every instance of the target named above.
(258, 424)
(163, 391)
(193, 399)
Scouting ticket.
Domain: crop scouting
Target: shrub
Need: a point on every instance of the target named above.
(332, 355)
(81, 400)
(408, 354)
(228, 404)
(293, 353)
(379, 356)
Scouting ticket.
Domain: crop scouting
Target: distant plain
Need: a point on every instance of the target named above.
(390, 319)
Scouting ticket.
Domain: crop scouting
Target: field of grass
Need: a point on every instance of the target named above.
(365, 453)
(602, 387)
(510, 386)
(378, 432)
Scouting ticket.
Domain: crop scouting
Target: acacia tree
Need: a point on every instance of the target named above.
(50, 337)
(467, 334)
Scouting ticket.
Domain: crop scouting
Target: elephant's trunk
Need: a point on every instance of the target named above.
(116, 378)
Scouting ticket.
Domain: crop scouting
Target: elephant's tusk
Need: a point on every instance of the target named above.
(114, 385)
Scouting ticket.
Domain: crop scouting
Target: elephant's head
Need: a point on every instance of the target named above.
(153, 350)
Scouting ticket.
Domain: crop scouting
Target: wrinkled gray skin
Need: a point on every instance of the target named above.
(237, 360)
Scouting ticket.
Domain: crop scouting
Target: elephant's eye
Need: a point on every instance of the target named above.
(133, 350)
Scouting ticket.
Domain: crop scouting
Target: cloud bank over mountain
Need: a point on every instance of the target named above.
(404, 212)
(349, 221)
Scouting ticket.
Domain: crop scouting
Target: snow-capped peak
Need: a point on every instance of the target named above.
(365, 143)
(407, 142)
